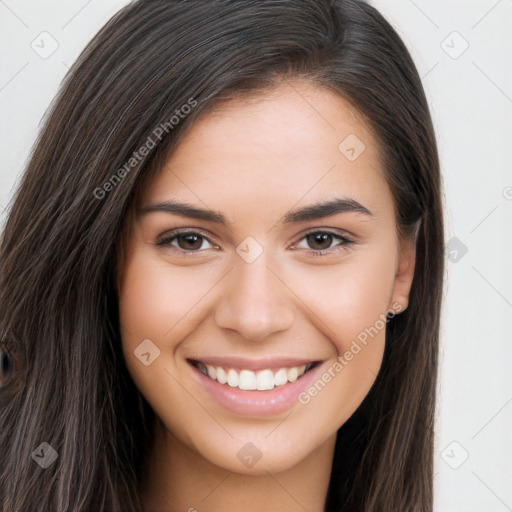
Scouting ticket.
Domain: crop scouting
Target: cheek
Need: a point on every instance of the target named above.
(161, 306)
(348, 305)
(346, 299)
(158, 304)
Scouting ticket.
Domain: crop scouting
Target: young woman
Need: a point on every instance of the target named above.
(221, 275)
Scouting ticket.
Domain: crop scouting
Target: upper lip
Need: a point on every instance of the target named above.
(253, 364)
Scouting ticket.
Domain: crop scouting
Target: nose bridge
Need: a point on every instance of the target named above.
(254, 302)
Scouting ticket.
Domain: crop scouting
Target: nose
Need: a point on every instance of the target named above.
(254, 302)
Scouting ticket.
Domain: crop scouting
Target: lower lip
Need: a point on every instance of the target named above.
(257, 403)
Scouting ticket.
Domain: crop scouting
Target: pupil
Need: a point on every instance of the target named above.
(318, 239)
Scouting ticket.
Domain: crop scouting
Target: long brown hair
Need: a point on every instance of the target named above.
(64, 379)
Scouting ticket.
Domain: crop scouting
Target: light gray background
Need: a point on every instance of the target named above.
(470, 94)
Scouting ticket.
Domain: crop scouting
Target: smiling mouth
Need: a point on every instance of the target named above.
(249, 380)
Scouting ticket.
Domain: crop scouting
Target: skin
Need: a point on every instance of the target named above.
(254, 160)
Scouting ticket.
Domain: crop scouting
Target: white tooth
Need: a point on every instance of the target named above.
(212, 372)
(222, 378)
(264, 380)
(280, 378)
(233, 378)
(292, 374)
(301, 370)
(247, 380)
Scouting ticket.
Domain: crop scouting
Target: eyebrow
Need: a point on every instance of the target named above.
(312, 212)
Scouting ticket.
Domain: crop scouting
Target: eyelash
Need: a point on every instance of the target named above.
(168, 238)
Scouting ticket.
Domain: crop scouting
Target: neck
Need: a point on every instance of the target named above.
(178, 479)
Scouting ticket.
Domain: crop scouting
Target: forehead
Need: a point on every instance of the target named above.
(295, 143)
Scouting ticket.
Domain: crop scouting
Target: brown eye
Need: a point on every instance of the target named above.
(319, 241)
(322, 243)
(189, 241)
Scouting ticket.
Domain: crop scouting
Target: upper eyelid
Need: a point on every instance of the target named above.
(330, 231)
(184, 231)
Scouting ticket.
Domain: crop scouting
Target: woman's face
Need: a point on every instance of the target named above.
(264, 253)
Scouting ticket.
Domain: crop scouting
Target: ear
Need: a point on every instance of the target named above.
(404, 273)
